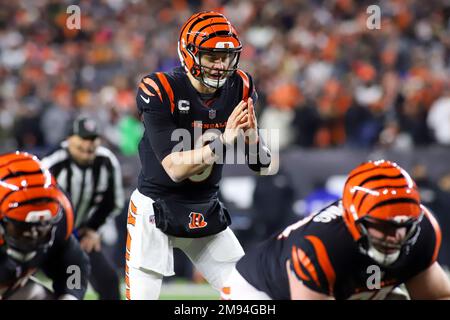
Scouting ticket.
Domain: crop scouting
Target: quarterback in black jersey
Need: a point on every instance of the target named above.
(36, 222)
(377, 237)
(192, 115)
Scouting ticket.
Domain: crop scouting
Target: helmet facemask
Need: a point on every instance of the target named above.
(31, 206)
(386, 241)
(210, 76)
(25, 239)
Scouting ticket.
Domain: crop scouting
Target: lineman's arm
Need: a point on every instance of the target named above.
(430, 284)
(301, 292)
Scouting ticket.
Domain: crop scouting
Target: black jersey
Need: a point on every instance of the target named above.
(324, 256)
(168, 101)
(57, 262)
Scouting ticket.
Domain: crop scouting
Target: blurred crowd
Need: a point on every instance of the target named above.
(324, 77)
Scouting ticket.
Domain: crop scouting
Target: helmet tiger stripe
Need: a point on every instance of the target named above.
(207, 32)
(27, 187)
(382, 190)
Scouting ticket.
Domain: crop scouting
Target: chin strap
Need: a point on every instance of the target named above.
(382, 258)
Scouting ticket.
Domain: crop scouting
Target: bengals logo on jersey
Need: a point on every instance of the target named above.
(197, 220)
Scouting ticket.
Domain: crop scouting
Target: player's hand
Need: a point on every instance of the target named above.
(251, 127)
(236, 122)
(90, 240)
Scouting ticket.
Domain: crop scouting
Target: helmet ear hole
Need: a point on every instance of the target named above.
(196, 72)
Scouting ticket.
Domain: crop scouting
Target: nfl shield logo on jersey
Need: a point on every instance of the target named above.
(212, 113)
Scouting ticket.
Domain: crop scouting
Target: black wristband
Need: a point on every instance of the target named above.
(262, 153)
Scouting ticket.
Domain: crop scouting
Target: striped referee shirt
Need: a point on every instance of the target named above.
(96, 191)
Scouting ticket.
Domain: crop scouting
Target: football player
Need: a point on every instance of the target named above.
(175, 204)
(36, 222)
(377, 237)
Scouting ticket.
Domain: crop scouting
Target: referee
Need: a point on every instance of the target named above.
(90, 174)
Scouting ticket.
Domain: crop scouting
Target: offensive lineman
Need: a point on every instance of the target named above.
(379, 226)
(36, 223)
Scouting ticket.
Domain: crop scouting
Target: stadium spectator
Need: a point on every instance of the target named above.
(301, 43)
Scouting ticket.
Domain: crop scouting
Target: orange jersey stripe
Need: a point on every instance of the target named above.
(324, 261)
(306, 262)
(246, 87)
(127, 270)
(128, 245)
(162, 78)
(133, 207)
(153, 84)
(437, 231)
(131, 219)
(144, 88)
(297, 267)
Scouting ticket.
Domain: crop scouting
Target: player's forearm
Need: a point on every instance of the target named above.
(184, 164)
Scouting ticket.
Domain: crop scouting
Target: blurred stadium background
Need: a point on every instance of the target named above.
(339, 92)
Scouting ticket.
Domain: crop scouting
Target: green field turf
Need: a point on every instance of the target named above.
(175, 290)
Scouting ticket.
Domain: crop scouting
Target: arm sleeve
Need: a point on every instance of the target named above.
(259, 156)
(158, 120)
(311, 269)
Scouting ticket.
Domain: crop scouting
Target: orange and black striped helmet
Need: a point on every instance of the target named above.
(206, 33)
(30, 202)
(381, 193)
